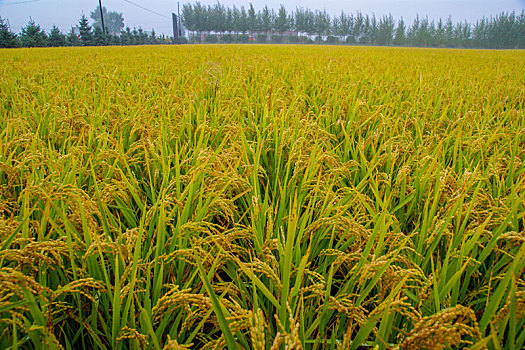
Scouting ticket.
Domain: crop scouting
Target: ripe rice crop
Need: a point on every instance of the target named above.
(262, 197)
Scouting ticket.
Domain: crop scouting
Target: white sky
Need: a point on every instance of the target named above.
(66, 13)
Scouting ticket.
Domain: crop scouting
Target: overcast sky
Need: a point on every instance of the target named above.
(66, 13)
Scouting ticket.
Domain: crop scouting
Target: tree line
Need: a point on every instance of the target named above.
(218, 22)
(32, 35)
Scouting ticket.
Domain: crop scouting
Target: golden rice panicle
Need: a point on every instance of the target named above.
(172, 344)
(452, 327)
(181, 196)
(130, 333)
(257, 330)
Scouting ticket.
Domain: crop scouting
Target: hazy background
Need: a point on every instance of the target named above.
(66, 13)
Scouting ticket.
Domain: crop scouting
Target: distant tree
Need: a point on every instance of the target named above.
(188, 18)
(369, 24)
(322, 23)
(56, 38)
(99, 38)
(373, 30)
(32, 35)
(201, 17)
(300, 20)
(243, 21)
(521, 30)
(385, 34)
(228, 20)
(413, 31)
(72, 38)
(465, 34)
(304, 21)
(344, 25)
(449, 33)
(252, 20)
(359, 27)
(153, 38)
(439, 35)
(506, 30)
(86, 35)
(113, 40)
(400, 36)
(265, 20)
(126, 37)
(142, 37)
(282, 21)
(7, 38)
(113, 21)
(217, 17)
(135, 36)
(423, 35)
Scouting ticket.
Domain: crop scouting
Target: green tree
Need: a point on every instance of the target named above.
(229, 20)
(385, 34)
(506, 30)
(7, 38)
(142, 37)
(322, 23)
(126, 37)
(243, 25)
(465, 34)
(56, 38)
(252, 19)
(32, 35)
(359, 27)
(99, 38)
(449, 33)
(282, 21)
(439, 35)
(136, 37)
(86, 34)
(400, 36)
(300, 20)
(72, 38)
(521, 30)
(218, 18)
(113, 40)
(344, 25)
(153, 38)
(266, 19)
(199, 18)
(113, 21)
(369, 29)
(188, 17)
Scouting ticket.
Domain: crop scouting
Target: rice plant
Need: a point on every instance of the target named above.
(262, 197)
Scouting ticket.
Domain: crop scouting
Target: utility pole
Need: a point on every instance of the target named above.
(175, 21)
(102, 16)
(179, 22)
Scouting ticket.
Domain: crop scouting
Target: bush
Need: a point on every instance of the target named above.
(350, 39)
(243, 38)
(294, 39)
(227, 38)
(211, 39)
(277, 39)
(332, 39)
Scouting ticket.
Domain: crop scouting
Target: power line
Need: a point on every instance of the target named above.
(142, 7)
(19, 2)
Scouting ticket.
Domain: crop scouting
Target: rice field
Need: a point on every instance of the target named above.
(262, 197)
